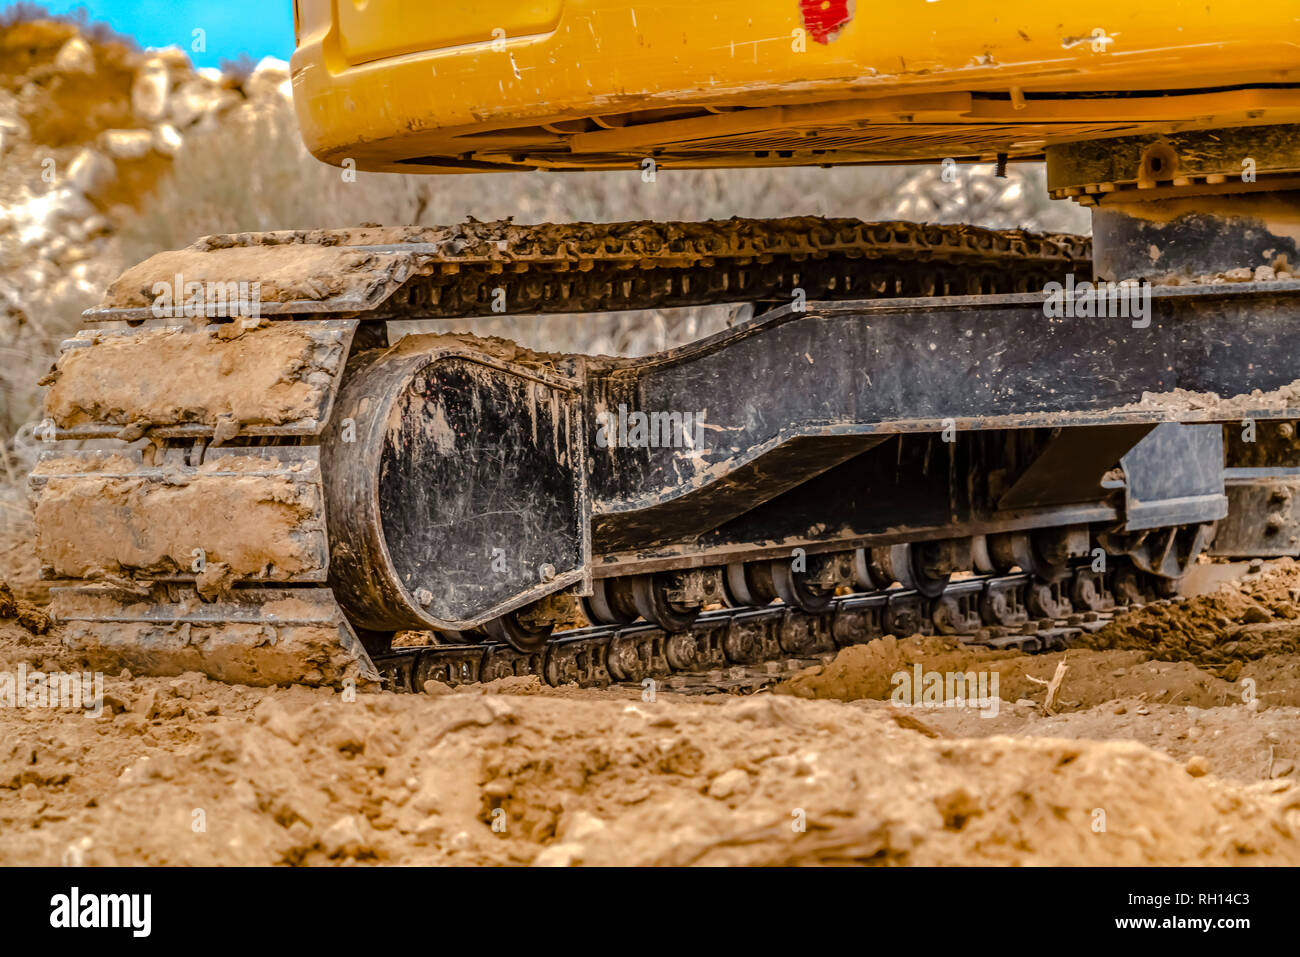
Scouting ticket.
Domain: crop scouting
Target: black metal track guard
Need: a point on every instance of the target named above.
(868, 422)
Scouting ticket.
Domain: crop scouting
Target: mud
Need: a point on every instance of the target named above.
(1147, 761)
(184, 770)
(287, 273)
(1093, 678)
(1184, 400)
(1232, 632)
(234, 652)
(105, 517)
(364, 265)
(24, 613)
(279, 373)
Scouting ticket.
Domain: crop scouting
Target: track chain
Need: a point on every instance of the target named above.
(745, 649)
(457, 271)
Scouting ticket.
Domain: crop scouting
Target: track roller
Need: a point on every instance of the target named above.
(749, 584)
(813, 589)
(924, 567)
(519, 634)
(610, 602)
(651, 593)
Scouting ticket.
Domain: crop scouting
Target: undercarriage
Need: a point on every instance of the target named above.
(915, 428)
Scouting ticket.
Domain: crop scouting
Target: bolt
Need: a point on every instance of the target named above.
(1286, 430)
(547, 572)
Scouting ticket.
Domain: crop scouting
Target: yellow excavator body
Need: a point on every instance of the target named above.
(409, 86)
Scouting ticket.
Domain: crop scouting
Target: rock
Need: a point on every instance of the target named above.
(762, 710)
(167, 140)
(436, 688)
(127, 144)
(559, 855)
(269, 80)
(1283, 768)
(215, 581)
(75, 56)
(146, 704)
(1197, 766)
(1265, 274)
(176, 60)
(97, 224)
(149, 91)
(581, 826)
(91, 172)
(37, 219)
(727, 783)
(343, 838)
(131, 722)
(197, 98)
(1240, 274)
(1256, 615)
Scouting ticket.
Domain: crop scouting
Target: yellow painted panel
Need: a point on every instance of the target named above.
(373, 29)
(604, 58)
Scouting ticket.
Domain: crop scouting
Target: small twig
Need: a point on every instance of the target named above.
(1053, 686)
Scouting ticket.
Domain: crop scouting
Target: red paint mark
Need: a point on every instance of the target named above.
(824, 19)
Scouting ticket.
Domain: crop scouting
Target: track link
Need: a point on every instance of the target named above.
(478, 269)
(741, 650)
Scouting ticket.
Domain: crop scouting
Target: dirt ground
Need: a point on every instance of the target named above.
(1172, 740)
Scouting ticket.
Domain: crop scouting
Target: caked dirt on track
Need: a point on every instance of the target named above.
(1147, 762)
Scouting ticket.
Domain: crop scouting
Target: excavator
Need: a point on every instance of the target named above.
(931, 428)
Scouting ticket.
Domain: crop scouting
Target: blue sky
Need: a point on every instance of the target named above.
(256, 27)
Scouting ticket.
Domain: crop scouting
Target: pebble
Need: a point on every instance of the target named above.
(581, 826)
(560, 855)
(728, 783)
(343, 837)
(1197, 766)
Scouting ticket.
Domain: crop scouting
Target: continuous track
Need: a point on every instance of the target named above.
(477, 269)
(336, 276)
(744, 649)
